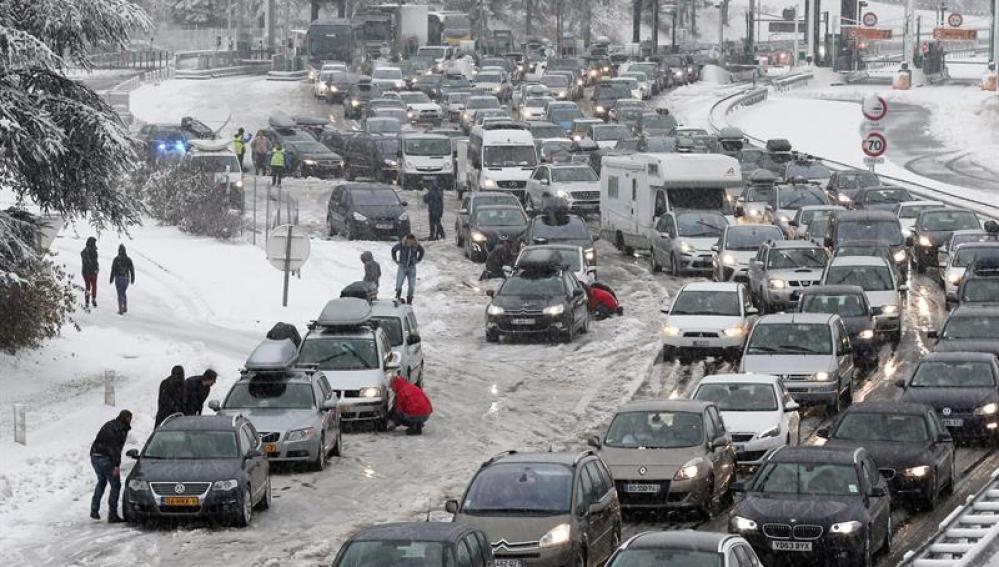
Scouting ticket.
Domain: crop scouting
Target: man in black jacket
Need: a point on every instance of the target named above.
(172, 395)
(197, 389)
(105, 456)
(435, 207)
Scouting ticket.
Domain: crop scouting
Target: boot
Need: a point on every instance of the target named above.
(398, 295)
(95, 516)
(114, 518)
(409, 300)
(124, 307)
(86, 301)
(94, 302)
(121, 308)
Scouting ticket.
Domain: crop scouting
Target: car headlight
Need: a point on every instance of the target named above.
(138, 485)
(678, 73)
(489, 183)
(561, 94)
(404, 217)
(593, 72)
(464, 116)
(299, 434)
(399, 84)
(728, 260)
(230, 484)
(754, 212)
(355, 102)
(916, 472)
(359, 217)
(778, 284)
(844, 198)
(478, 236)
(686, 247)
(598, 108)
(409, 165)
(772, 432)
(239, 184)
(821, 376)
(312, 75)
(370, 392)
(845, 527)
(494, 310)
(735, 332)
(925, 241)
(334, 89)
(322, 88)
(580, 82)
(866, 334)
(391, 163)
(562, 194)
(954, 278)
(497, 89)
(988, 409)
(784, 218)
(899, 256)
(743, 524)
(671, 331)
(606, 69)
(309, 161)
(411, 114)
(889, 310)
(589, 254)
(559, 535)
(554, 309)
(689, 470)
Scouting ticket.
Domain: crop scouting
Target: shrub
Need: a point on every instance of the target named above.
(36, 300)
(192, 201)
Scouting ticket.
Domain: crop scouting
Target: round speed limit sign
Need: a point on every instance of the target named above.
(874, 144)
(870, 19)
(955, 20)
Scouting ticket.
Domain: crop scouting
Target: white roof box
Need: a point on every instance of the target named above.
(273, 355)
(281, 120)
(344, 312)
(210, 145)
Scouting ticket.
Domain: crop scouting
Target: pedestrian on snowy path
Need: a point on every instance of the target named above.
(277, 165)
(172, 398)
(91, 267)
(122, 274)
(196, 390)
(406, 254)
(261, 148)
(412, 407)
(434, 200)
(372, 269)
(105, 457)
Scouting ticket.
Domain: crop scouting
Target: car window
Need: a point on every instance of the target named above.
(324, 385)
(739, 396)
(474, 550)
(882, 427)
(746, 556)
(464, 555)
(597, 489)
(584, 491)
(655, 430)
(711, 426)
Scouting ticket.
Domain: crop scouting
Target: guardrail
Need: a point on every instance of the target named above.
(784, 84)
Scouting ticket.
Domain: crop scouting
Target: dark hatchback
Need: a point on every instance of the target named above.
(491, 225)
(376, 157)
(605, 96)
(163, 142)
(198, 467)
(312, 159)
(933, 229)
(849, 227)
(963, 388)
(471, 202)
(912, 448)
(426, 544)
(367, 210)
(541, 298)
(562, 229)
(843, 185)
(850, 303)
(811, 503)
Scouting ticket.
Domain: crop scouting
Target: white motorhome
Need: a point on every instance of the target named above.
(498, 159)
(635, 190)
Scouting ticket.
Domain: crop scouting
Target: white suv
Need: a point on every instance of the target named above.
(398, 320)
(707, 319)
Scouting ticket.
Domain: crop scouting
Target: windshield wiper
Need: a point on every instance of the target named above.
(761, 349)
(797, 348)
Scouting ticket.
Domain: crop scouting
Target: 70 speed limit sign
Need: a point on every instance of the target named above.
(874, 144)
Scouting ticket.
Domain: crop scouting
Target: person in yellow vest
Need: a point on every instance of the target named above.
(277, 165)
(239, 145)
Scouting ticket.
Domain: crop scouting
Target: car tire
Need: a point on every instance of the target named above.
(244, 516)
(126, 513)
(932, 496)
(338, 448)
(586, 324)
(467, 248)
(265, 502)
(381, 424)
(952, 481)
(704, 509)
(330, 229)
(348, 172)
(322, 458)
(674, 267)
(457, 237)
(570, 335)
(886, 544)
(866, 557)
(492, 336)
(580, 559)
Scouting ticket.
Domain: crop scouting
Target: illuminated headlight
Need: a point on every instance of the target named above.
(988, 409)
(821, 376)
(678, 73)
(743, 524)
(899, 256)
(916, 472)
(300, 434)
(309, 161)
(465, 116)
(334, 89)
(845, 527)
(391, 163)
(671, 331)
(778, 284)
(562, 194)
(593, 72)
(312, 75)
(925, 241)
(772, 432)
(239, 184)
(954, 278)
(494, 310)
(559, 535)
(579, 82)
(497, 89)
(728, 260)
(561, 94)
(590, 254)
(606, 69)
(489, 183)
(411, 114)
(370, 392)
(889, 310)
(688, 471)
(844, 198)
(754, 212)
(784, 218)
(576, 138)
(355, 102)
(686, 247)
(735, 332)
(478, 236)
(866, 335)
(231, 484)
(399, 84)
(322, 88)
(359, 217)
(404, 217)
(138, 485)
(598, 108)
(554, 309)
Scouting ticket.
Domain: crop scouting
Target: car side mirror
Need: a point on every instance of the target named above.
(329, 404)
(932, 334)
(822, 432)
(791, 406)
(877, 492)
(792, 222)
(738, 486)
(451, 506)
(254, 454)
(491, 292)
(903, 287)
(752, 310)
(900, 383)
(405, 203)
(543, 181)
(909, 240)
(577, 293)
(714, 247)
(827, 242)
(414, 339)
(594, 441)
(214, 405)
(392, 361)
(132, 453)
(462, 211)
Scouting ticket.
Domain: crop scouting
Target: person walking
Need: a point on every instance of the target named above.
(122, 275)
(196, 390)
(434, 199)
(406, 254)
(239, 145)
(372, 269)
(261, 148)
(91, 267)
(277, 165)
(412, 407)
(172, 398)
(105, 457)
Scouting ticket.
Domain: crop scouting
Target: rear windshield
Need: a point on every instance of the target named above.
(886, 231)
(842, 305)
(870, 278)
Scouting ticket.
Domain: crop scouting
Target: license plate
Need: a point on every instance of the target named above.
(740, 448)
(429, 178)
(522, 321)
(507, 562)
(271, 448)
(641, 488)
(700, 343)
(953, 422)
(180, 501)
(385, 226)
(791, 545)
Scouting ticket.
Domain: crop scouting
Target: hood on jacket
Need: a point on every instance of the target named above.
(397, 383)
(121, 250)
(91, 242)
(367, 256)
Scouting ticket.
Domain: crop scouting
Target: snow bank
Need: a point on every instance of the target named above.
(715, 75)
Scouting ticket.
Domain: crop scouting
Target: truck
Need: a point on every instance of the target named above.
(498, 157)
(402, 27)
(637, 189)
(330, 40)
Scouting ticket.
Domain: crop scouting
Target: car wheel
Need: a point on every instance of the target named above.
(952, 481)
(126, 507)
(323, 457)
(580, 559)
(330, 228)
(351, 234)
(457, 236)
(338, 448)
(570, 335)
(867, 560)
(348, 172)
(706, 505)
(492, 336)
(674, 267)
(265, 502)
(245, 514)
(886, 544)
(586, 324)
(382, 423)
(656, 268)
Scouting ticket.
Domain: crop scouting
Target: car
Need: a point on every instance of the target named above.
(755, 204)
(470, 202)
(385, 122)
(809, 171)
(655, 124)
(491, 225)
(980, 286)
(451, 82)
(473, 104)
(533, 107)
(815, 504)
(843, 185)
(320, 86)
(605, 95)
(912, 448)
(426, 161)
(560, 228)
(682, 241)
(293, 409)
(283, 134)
(749, 159)
(554, 150)
(933, 228)
(485, 115)
(559, 507)
(642, 79)
(880, 282)
(959, 237)
(799, 223)
(495, 84)
(216, 159)
(367, 210)
(398, 320)
(355, 103)
(376, 157)
(428, 544)
(968, 328)
(737, 245)
(544, 130)
(576, 186)
(811, 352)
(685, 547)
(559, 85)
(163, 142)
(782, 269)
(336, 140)
(959, 259)
(866, 227)
(355, 356)
(563, 113)
(527, 89)
(388, 78)
(454, 104)
(850, 303)
(313, 159)
(884, 198)
(422, 110)
(627, 117)
(572, 257)
(787, 199)
(198, 467)
(707, 319)
(542, 298)
(962, 387)
(579, 130)
(758, 411)
(337, 86)
(608, 135)
(669, 455)
(909, 210)
(431, 85)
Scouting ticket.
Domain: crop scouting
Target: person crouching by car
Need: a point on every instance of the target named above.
(603, 302)
(504, 254)
(412, 407)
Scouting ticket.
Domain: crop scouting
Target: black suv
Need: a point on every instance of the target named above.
(312, 159)
(199, 466)
(542, 297)
(357, 99)
(489, 226)
(980, 284)
(371, 210)
(605, 96)
(376, 157)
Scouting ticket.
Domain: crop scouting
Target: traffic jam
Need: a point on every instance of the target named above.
(834, 333)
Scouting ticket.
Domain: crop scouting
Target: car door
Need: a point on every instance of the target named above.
(341, 213)
(329, 417)
(578, 299)
(662, 238)
(601, 523)
(254, 466)
(844, 353)
(724, 455)
(756, 271)
(583, 499)
(942, 448)
(879, 507)
(461, 220)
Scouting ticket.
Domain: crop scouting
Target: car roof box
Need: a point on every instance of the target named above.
(778, 145)
(273, 355)
(367, 291)
(543, 261)
(210, 145)
(345, 312)
(281, 120)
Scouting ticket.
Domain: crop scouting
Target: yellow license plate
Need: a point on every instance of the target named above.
(180, 501)
(271, 448)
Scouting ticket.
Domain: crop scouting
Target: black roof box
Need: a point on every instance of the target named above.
(367, 291)
(273, 355)
(542, 261)
(778, 145)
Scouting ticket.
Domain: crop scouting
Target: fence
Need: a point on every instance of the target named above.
(132, 59)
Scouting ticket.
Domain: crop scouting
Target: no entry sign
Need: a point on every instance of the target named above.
(874, 144)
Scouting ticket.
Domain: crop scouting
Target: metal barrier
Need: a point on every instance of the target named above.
(132, 59)
(784, 84)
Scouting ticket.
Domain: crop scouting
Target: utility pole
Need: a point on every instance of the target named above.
(995, 37)
(693, 21)
(269, 25)
(809, 30)
(910, 27)
(750, 28)
(587, 22)
(721, 37)
(672, 35)
(528, 18)
(636, 21)
(558, 27)
(655, 26)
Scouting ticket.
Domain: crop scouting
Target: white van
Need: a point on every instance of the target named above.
(635, 190)
(499, 160)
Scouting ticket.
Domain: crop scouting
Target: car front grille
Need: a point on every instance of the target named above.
(749, 456)
(179, 488)
(702, 334)
(512, 184)
(802, 283)
(513, 547)
(887, 474)
(269, 437)
(797, 377)
(807, 532)
(430, 168)
(742, 437)
(777, 531)
(347, 393)
(586, 195)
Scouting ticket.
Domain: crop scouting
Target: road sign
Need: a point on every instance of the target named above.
(954, 34)
(955, 20)
(874, 107)
(870, 19)
(874, 144)
(868, 33)
(288, 248)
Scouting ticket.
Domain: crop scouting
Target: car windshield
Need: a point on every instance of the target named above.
(542, 131)
(392, 327)
(659, 123)
(666, 558)
(913, 211)
(374, 197)
(560, 228)
(862, 426)
(794, 258)
(569, 257)
(475, 103)
(509, 156)
(739, 397)
(216, 164)
(851, 305)
(340, 353)
(971, 327)
(790, 338)
(759, 194)
(948, 221)
(396, 552)
(428, 147)
(700, 225)
(551, 147)
(564, 113)
(862, 250)
(980, 290)
(807, 171)
(387, 125)
(555, 81)
(750, 238)
(272, 394)
(967, 254)
(537, 101)
(630, 114)
(655, 430)
(659, 145)
(387, 73)
(484, 200)
(414, 97)
(720, 303)
(546, 286)
(952, 374)
(887, 231)
(389, 147)
(886, 196)
(499, 217)
(196, 444)
(532, 488)
(857, 180)
(800, 197)
(611, 132)
(488, 78)
(574, 174)
(819, 479)
(871, 278)
(817, 226)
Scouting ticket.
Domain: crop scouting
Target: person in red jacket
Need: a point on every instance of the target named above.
(412, 407)
(603, 303)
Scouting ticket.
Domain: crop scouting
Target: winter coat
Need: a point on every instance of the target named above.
(434, 200)
(110, 440)
(602, 297)
(172, 398)
(407, 256)
(195, 394)
(122, 266)
(410, 399)
(372, 270)
(89, 257)
(260, 145)
(499, 257)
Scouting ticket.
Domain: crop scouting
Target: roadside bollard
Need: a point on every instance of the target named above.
(109, 388)
(20, 424)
